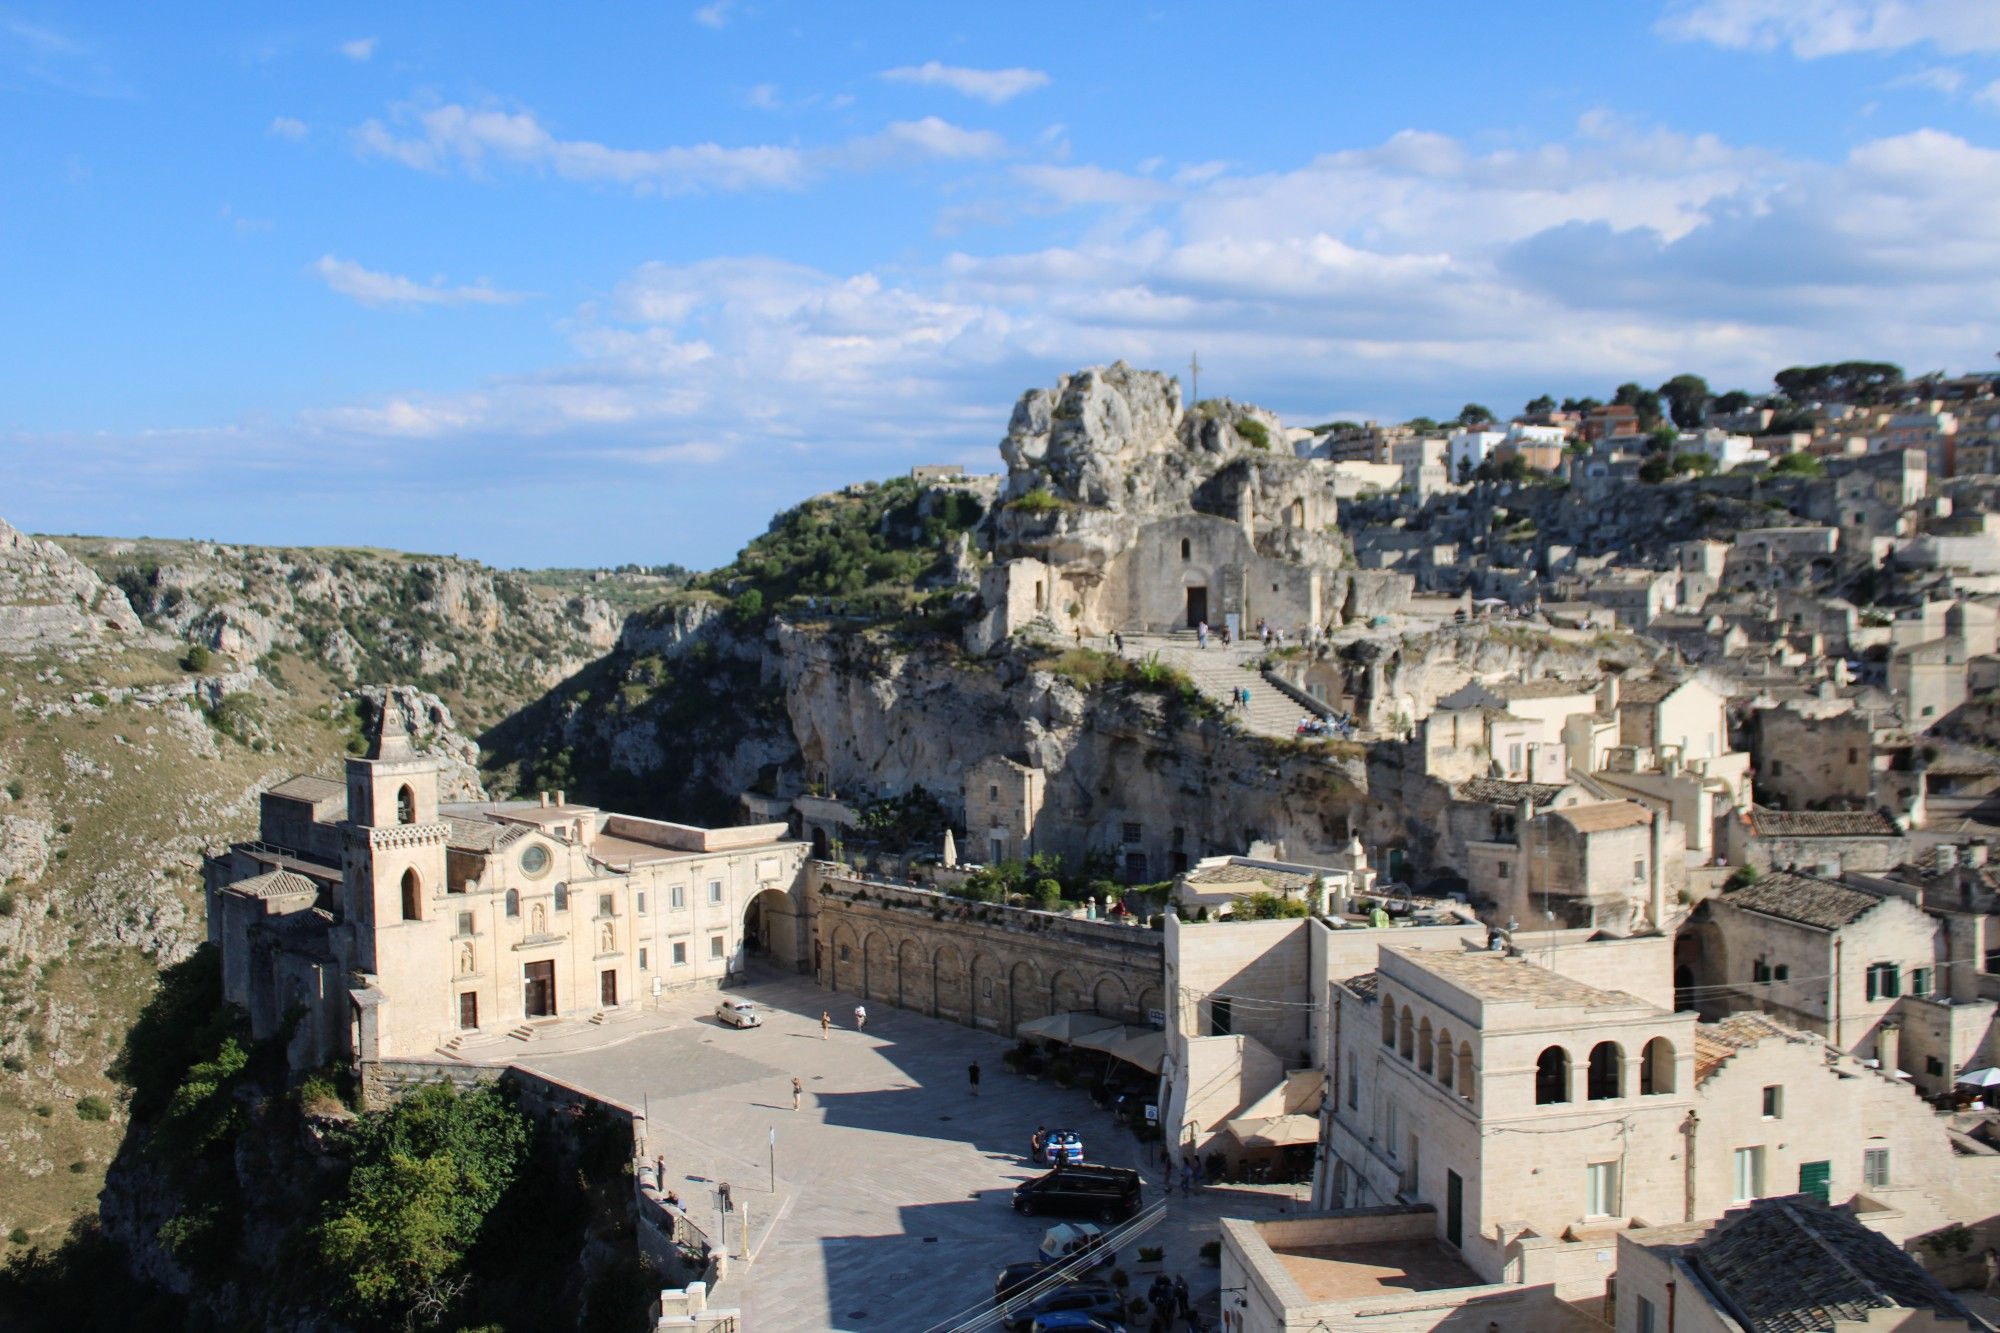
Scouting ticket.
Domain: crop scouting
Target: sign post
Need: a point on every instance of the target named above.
(774, 1161)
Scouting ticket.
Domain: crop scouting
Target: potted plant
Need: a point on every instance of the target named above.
(1211, 1251)
(1150, 1259)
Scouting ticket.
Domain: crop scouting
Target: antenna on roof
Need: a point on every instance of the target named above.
(1194, 378)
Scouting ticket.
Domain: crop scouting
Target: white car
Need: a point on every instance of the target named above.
(738, 1014)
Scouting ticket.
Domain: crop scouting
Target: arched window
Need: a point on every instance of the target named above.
(1424, 1049)
(406, 805)
(413, 896)
(1656, 1067)
(1187, 549)
(1408, 1030)
(1388, 1023)
(1552, 1076)
(1465, 1070)
(1446, 1056)
(562, 896)
(1605, 1079)
(513, 903)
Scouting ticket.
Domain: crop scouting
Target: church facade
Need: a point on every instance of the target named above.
(378, 923)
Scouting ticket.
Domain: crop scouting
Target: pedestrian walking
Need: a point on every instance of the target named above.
(660, 1175)
(1036, 1142)
(1201, 634)
(1181, 1301)
(1187, 1179)
(797, 1089)
(1118, 640)
(972, 1076)
(825, 1022)
(1992, 1257)
(860, 1017)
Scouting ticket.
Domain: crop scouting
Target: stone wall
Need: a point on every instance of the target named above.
(980, 964)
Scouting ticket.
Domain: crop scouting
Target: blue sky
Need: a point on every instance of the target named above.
(546, 288)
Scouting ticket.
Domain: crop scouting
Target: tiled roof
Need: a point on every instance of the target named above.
(1234, 872)
(1714, 1043)
(1497, 791)
(1367, 986)
(305, 787)
(1767, 823)
(480, 835)
(1794, 1265)
(1604, 816)
(1806, 899)
(273, 884)
(1541, 689)
(1500, 978)
(1646, 691)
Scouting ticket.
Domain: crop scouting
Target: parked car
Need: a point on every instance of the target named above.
(1102, 1303)
(739, 1014)
(1069, 1240)
(1063, 1145)
(1105, 1193)
(1017, 1278)
(1074, 1321)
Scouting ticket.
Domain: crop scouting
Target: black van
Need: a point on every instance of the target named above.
(1105, 1193)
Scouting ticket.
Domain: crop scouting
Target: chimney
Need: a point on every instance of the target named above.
(1975, 854)
(1607, 693)
(1946, 857)
(544, 799)
(1657, 882)
(560, 801)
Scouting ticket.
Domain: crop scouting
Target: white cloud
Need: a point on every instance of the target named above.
(371, 288)
(1989, 96)
(453, 136)
(764, 97)
(286, 127)
(714, 14)
(1942, 79)
(988, 85)
(1814, 28)
(361, 48)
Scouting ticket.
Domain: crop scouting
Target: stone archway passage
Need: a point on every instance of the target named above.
(771, 927)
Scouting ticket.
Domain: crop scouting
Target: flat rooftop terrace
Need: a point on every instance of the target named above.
(1374, 1268)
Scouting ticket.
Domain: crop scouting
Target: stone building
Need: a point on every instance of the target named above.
(1003, 806)
(1825, 842)
(1609, 864)
(1814, 754)
(394, 925)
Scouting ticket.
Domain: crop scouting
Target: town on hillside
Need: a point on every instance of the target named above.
(1525, 874)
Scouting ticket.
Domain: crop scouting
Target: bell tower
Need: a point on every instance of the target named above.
(393, 878)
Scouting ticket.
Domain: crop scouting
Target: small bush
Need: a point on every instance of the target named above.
(1254, 431)
(1211, 1251)
(1040, 500)
(197, 658)
(15, 790)
(18, 1236)
(93, 1108)
(7, 903)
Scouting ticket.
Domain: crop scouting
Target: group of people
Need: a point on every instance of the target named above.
(826, 1020)
(1340, 724)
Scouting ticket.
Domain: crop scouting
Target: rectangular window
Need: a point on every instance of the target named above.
(1353, 1085)
(1600, 1187)
(604, 904)
(1777, 768)
(1638, 872)
(465, 923)
(715, 890)
(1853, 755)
(1132, 833)
(1920, 981)
(1782, 972)
(715, 946)
(1505, 870)
(680, 953)
(677, 897)
(1885, 981)
(1644, 1308)
(1749, 1176)
(1219, 1017)
(1933, 1066)
(1390, 1120)
(993, 791)
(1760, 972)
(1875, 1168)
(1774, 1102)
(639, 902)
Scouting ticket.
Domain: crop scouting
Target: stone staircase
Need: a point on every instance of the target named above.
(522, 1033)
(1217, 672)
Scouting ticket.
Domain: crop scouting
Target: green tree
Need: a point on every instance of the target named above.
(425, 1176)
(1642, 401)
(1047, 893)
(1474, 414)
(1799, 464)
(1580, 404)
(1538, 406)
(1662, 438)
(197, 658)
(1654, 470)
(1687, 400)
(1267, 906)
(1422, 425)
(1732, 402)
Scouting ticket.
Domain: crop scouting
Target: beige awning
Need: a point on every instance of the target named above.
(1148, 1049)
(1108, 1039)
(1279, 1131)
(1066, 1026)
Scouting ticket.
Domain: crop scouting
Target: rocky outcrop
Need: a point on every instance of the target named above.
(50, 599)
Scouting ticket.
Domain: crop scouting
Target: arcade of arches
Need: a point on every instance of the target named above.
(984, 966)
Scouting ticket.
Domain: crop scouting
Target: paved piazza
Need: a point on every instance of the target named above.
(892, 1202)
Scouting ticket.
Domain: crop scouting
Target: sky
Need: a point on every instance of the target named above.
(588, 285)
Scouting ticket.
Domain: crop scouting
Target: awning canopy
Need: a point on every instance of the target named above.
(1148, 1050)
(1066, 1027)
(1108, 1039)
(1984, 1077)
(1279, 1131)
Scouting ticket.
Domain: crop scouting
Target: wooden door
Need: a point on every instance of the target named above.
(541, 990)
